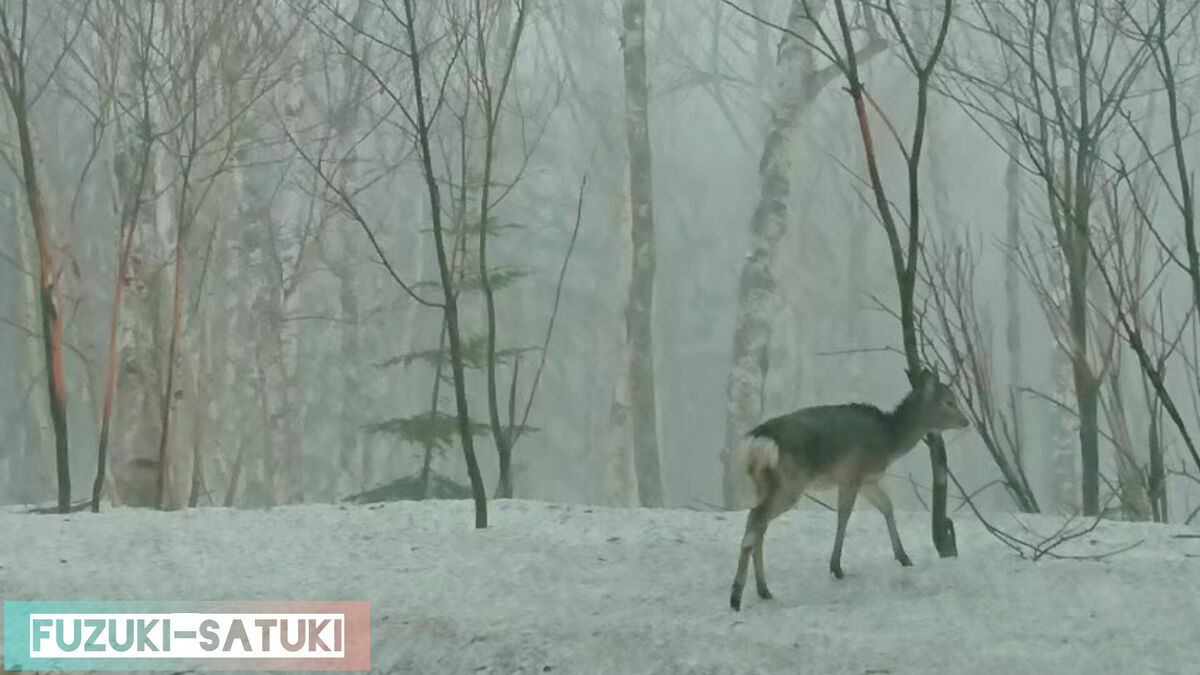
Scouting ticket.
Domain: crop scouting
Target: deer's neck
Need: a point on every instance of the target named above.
(906, 427)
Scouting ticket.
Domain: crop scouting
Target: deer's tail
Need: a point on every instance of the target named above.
(758, 453)
(759, 456)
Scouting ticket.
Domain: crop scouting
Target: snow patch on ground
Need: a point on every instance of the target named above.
(576, 589)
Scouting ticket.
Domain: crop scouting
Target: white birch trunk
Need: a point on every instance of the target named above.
(619, 485)
(639, 363)
(138, 408)
(1065, 449)
(758, 302)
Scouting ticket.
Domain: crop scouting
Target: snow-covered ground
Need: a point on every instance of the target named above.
(574, 589)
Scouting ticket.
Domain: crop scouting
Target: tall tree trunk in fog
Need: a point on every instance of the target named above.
(13, 64)
(492, 101)
(168, 396)
(353, 450)
(139, 375)
(1087, 386)
(1065, 442)
(1131, 481)
(128, 222)
(284, 404)
(1012, 291)
(203, 405)
(253, 191)
(639, 305)
(34, 368)
(235, 382)
(795, 86)
(1012, 288)
(1157, 480)
(619, 486)
(354, 455)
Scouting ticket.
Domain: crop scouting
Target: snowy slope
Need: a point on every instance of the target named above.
(573, 589)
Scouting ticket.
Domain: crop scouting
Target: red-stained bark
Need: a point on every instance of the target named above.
(12, 79)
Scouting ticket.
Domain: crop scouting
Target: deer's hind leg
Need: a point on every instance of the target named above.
(766, 482)
(776, 494)
(789, 491)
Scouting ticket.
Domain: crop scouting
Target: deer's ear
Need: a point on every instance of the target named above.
(924, 380)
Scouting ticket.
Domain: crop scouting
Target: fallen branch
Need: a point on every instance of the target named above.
(1046, 545)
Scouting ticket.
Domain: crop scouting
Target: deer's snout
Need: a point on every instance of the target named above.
(958, 420)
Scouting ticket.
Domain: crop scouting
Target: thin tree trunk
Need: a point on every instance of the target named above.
(1130, 479)
(202, 403)
(1012, 288)
(35, 465)
(129, 220)
(1087, 389)
(1064, 452)
(904, 255)
(52, 336)
(284, 411)
(1087, 397)
(493, 100)
(235, 475)
(110, 378)
(1158, 477)
(233, 378)
(352, 446)
(164, 443)
(450, 302)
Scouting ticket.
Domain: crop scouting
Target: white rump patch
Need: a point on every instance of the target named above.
(757, 453)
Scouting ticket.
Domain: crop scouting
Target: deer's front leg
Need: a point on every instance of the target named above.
(847, 493)
(880, 499)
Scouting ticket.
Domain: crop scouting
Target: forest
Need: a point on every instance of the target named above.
(270, 253)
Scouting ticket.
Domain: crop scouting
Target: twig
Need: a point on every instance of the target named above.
(562, 273)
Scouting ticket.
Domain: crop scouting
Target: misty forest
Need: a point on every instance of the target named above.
(269, 253)
(509, 317)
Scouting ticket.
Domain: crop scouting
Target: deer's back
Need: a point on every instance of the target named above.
(832, 442)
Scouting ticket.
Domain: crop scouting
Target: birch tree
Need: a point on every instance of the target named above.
(798, 82)
(637, 360)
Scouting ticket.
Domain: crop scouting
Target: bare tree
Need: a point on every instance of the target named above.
(960, 342)
(491, 100)
(124, 26)
(1065, 71)
(420, 106)
(905, 253)
(21, 93)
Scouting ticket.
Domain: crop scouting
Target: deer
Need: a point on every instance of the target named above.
(848, 446)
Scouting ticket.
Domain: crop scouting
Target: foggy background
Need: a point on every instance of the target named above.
(270, 137)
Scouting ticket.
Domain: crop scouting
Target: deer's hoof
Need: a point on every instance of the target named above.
(736, 604)
(904, 560)
(836, 570)
(764, 593)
